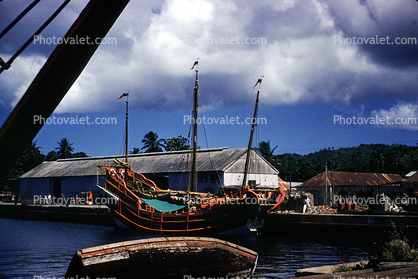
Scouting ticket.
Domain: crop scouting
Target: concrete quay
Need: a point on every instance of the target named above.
(365, 224)
(92, 214)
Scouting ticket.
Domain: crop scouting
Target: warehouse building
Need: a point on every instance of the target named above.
(221, 167)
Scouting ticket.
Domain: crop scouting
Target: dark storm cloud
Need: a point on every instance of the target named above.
(393, 22)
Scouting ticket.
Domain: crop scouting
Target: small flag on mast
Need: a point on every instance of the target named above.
(195, 64)
(123, 95)
(258, 81)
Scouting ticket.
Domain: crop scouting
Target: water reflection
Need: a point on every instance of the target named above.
(30, 248)
(280, 257)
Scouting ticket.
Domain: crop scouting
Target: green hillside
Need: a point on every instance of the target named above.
(396, 158)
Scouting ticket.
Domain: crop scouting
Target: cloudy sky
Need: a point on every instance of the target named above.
(336, 73)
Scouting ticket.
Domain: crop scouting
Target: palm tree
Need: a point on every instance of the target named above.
(135, 150)
(32, 156)
(65, 149)
(178, 143)
(266, 151)
(377, 161)
(152, 143)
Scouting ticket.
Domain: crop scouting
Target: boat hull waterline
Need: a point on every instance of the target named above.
(209, 216)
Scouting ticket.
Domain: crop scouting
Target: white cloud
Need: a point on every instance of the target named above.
(18, 77)
(400, 116)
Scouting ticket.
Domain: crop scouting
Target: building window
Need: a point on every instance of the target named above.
(252, 183)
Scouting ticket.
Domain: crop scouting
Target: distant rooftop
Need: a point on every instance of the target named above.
(413, 179)
(409, 174)
(340, 178)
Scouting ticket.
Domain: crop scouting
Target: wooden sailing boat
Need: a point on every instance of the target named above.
(142, 204)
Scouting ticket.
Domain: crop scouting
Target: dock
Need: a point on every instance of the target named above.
(365, 224)
(91, 214)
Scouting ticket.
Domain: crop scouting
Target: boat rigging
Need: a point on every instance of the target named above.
(142, 204)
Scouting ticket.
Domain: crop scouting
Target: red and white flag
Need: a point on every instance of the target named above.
(123, 95)
(258, 81)
(195, 64)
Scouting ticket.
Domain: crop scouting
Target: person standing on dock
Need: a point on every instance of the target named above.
(306, 204)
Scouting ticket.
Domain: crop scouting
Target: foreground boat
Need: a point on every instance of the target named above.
(165, 257)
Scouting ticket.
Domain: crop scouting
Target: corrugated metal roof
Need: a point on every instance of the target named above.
(340, 178)
(411, 173)
(413, 179)
(283, 185)
(221, 159)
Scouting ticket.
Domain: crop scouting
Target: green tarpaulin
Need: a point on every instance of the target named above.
(162, 205)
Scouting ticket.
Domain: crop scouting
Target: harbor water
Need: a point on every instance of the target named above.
(43, 249)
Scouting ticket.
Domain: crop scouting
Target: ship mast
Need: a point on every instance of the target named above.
(253, 123)
(193, 171)
(126, 129)
(126, 124)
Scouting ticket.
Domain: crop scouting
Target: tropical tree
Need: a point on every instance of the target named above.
(135, 150)
(377, 161)
(152, 143)
(265, 150)
(304, 170)
(65, 149)
(79, 155)
(282, 166)
(51, 156)
(32, 157)
(177, 143)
